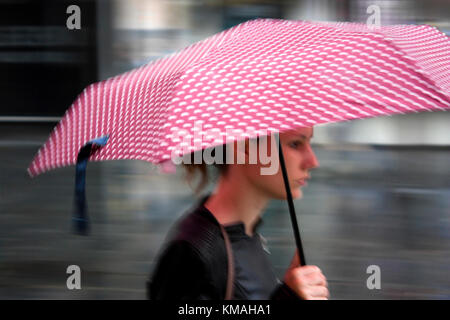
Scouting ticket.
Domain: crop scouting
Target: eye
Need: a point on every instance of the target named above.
(295, 144)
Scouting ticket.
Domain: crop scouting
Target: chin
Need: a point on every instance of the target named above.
(297, 193)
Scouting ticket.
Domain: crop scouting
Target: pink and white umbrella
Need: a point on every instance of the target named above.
(262, 75)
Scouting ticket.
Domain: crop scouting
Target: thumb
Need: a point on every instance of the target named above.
(295, 260)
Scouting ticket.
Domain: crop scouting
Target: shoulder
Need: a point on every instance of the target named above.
(193, 258)
(198, 233)
(179, 273)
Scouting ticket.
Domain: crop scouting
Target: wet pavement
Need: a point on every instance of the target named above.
(364, 206)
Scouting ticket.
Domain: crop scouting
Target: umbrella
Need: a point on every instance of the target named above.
(261, 75)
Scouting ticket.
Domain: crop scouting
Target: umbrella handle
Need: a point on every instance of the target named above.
(294, 223)
(80, 218)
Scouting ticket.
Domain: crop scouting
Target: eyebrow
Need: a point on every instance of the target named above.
(303, 136)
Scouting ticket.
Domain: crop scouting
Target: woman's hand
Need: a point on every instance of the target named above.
(307, 282)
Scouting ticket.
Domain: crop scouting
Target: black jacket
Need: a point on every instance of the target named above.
(192, 264)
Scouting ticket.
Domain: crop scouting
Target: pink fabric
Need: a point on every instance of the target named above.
(264, 74)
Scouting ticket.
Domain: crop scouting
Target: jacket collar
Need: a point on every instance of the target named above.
(235, 229)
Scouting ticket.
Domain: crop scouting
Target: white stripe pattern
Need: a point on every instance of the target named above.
(264, 74)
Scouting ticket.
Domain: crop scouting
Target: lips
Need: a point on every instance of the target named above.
(302, 181)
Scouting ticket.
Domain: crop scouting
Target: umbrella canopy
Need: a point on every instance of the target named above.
(264, 75)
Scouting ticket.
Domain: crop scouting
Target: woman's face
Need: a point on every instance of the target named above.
(299, 159)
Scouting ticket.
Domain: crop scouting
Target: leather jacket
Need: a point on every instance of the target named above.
(192, 264)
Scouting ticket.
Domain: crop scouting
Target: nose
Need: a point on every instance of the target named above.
(311, 161)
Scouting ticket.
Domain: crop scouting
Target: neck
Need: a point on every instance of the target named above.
(234, 200)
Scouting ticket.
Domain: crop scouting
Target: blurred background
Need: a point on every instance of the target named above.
(380, 197)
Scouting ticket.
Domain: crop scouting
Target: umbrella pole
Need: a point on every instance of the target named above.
(298, 240)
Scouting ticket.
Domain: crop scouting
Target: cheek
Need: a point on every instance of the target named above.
(269, 183)
(273, 185)
(293, 166)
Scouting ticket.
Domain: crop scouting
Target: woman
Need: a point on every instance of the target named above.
(215, 252)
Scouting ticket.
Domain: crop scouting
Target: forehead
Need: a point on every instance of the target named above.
(298, 132)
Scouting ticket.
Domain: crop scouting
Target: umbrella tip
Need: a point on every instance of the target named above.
(30, 173)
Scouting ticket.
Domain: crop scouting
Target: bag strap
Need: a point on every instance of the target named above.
(230, 277)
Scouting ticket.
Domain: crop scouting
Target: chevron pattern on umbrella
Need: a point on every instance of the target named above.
(263, 74)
